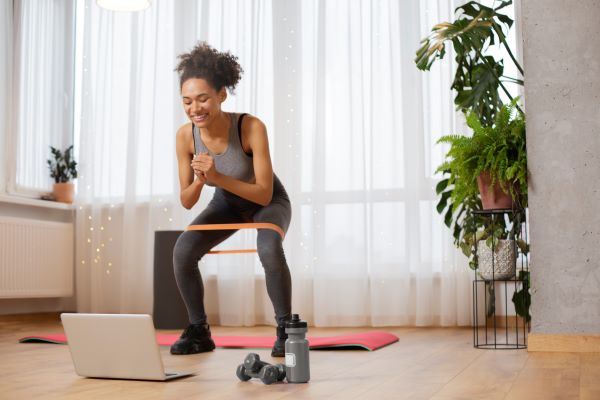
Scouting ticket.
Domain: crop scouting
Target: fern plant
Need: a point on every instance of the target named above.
(499, 150)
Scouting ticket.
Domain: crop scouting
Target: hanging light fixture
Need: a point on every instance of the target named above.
(124, 5)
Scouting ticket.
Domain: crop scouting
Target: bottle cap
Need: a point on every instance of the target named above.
(296, 322)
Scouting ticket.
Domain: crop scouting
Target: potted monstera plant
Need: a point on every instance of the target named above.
(63, 169)
(487, 170)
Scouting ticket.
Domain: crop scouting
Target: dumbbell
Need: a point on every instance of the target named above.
(253, 367)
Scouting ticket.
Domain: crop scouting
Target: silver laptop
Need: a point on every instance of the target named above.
(121, 346)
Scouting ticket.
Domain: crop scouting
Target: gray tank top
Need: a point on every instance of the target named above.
(233, 161)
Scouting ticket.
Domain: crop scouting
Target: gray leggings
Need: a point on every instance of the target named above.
(226, 208)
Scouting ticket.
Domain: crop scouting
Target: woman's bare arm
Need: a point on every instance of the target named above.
(261, 191)
(190, 188)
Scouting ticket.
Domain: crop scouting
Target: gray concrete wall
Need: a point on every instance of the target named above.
(561, 55)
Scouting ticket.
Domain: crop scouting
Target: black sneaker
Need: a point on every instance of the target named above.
(279, 345)
(194, 339)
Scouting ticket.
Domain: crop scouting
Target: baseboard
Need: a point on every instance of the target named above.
(564, 343)
(502, 321)
(511, 321)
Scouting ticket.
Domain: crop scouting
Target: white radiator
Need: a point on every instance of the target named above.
(36, 258)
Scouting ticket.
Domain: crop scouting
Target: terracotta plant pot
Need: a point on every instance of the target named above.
(63, 192)
(495, 198)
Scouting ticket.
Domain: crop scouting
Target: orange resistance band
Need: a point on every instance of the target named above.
(235, 227)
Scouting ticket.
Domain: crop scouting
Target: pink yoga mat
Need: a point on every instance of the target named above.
(368, 340)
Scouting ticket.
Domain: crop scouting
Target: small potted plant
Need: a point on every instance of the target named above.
(493, 161)
(63, 169)
(499, 152)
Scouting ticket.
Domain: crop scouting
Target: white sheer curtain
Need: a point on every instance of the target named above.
(127, 182)
(42, 90)
(6, 46)
(352, 127)
(363, 166)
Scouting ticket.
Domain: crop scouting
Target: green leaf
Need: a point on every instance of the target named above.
(448, 218)
(522, 302)
(524, 247)
(443, 202)
(443, 184)
(62, 166)
(466, 249)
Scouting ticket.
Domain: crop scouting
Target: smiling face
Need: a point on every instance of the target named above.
(201, 101)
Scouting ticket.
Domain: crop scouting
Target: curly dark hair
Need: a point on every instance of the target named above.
(220, 69)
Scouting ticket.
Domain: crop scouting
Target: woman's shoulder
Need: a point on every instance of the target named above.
(184, 131)
(250, 123)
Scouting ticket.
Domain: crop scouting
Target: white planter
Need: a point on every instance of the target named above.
(501, 264)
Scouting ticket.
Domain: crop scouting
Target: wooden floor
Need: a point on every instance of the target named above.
(425, 364)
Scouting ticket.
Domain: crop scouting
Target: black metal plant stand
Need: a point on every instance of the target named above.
(493, 327)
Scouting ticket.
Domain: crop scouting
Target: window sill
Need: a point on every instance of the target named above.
(33, 202)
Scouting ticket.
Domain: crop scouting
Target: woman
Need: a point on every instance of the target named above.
(230, 152)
